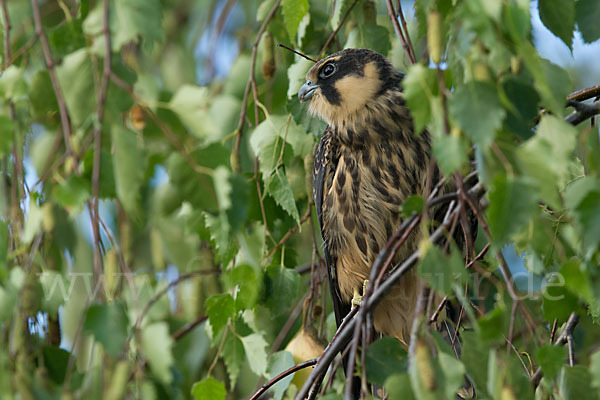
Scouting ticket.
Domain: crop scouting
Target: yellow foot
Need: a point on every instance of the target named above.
(357, 297)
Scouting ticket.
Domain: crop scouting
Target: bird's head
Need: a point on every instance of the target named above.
(339, 86)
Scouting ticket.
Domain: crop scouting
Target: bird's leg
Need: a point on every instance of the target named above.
(357, 297)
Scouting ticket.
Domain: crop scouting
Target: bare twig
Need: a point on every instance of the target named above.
(394, 17)
(583, 111)
(296, 52)
(251, 81)
(336, 30)
(98, 140)
(566, 336)
(187, 328)
(297, 367)
(62, 106)
(585, 94)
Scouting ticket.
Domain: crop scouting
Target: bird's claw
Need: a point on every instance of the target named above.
(357, 297)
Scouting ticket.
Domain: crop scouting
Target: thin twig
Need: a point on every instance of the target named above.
(297, 367)
(187, 328)
(566, 336)
(394, 17)
(336, 30)
(296, 52)
(251, 80)
(585, 94)
(62, 106)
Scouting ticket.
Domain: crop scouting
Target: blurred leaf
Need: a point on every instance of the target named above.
(293, 12)
(219, 309)
(398, 387)
(558, 302)
(72, 194)
(254, 346)
(76, 81)
(55, 361)
(108, 324)
(442, 272)
(523, 106)
(587, 15)
(281, 288)
(129, 167)
(551, 359)
(582, 197)
(234, 357)
(278, 363)
(191, 104)
(512, 203)
(595, 369)
(297, 76)
(156, 345)
(491, 325)
(413, 204)
(546, 157)
(33, 223)
(454, 372)
(475, 356)
(370, 36)
(559, 17)
(6, 135)
(575, 383)
(385, 357)
(450, 152)
(420, 85)
(248, 284)
(67, 37)
(209, 389)
(279, 188)
(477, 98)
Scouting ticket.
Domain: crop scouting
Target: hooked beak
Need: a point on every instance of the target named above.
(306, 91)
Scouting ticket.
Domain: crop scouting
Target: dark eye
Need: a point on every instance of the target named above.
(327, 70)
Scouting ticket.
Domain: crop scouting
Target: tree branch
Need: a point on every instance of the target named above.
(62, 107)
(336, 30)
(583, 111)
(297, 367)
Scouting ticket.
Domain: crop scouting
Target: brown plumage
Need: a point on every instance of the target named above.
(368, 162)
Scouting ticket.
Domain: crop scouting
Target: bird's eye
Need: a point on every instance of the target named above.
(327, 70)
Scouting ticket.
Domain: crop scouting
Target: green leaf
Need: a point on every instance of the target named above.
(245, 278)
(56, 361)
(512, 202)
(575, 384)
(130, 20)
(440, 271)
(454, 372)
(398, 387)
(420, 85)
(475, 356)
(481, 99)
(385, 357)
(209, 389)
(278, 363)
(77, 84)
(279, 188)
(370, 36)
(491, 325)
(6, 135)
(156, 345)
(254, 346)
(339, 10)
(582, 197)
(293, 12)
(551, 359)
(546, 157)
(559, 17)
(128, 166)
(413, 204)
(234, 357)
(191, 104)
(72, 194)
(450, 152)
(219, 309)
(523, 106)
(108, 324)
(297, 76)
(587, 15)
(595, 369)
(558, 302)
(281, 288)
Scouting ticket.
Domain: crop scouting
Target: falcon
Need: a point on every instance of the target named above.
(368, 161)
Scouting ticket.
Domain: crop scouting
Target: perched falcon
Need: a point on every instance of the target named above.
(368, 162)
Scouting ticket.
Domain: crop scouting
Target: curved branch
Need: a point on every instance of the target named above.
(583, 111)
(297, 367)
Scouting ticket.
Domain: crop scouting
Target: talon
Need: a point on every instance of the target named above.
(357, 297)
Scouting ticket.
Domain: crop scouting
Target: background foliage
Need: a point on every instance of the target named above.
(156, 232)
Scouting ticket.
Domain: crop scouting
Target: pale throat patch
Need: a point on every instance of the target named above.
(355, 91)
